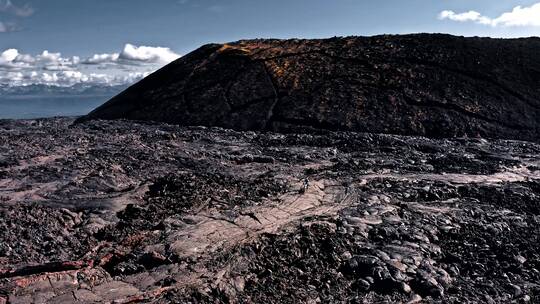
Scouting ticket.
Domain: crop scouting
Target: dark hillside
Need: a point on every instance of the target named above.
(431, 85)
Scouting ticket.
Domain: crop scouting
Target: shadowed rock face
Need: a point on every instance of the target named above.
(431, 85)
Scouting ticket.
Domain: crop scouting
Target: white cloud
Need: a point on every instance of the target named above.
(55, 61)
(7, 6)
(519, 16)
(25, 58)
(102, 58)
(12, 59)
(148, 54)
(8, 60)
(132, 54)
(464, 17)
(51, 68)
(9, 55)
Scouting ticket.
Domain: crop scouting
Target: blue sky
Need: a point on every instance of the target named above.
(79, 29)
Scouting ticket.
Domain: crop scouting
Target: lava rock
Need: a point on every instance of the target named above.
(141, 217)
(431, 85)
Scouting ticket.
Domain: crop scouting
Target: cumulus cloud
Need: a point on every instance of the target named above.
(102, 58)
(464, 17)
(7, 6)
(9, 55)
(12, 59)
(9, 60)
(148, 54)
(519, 16)
(132, 54)
(51, 68)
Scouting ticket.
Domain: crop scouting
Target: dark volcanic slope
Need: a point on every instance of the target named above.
(432, 85)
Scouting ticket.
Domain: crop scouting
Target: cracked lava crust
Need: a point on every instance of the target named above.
(134, 212)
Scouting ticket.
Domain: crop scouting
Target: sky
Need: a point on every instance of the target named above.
(114, 42)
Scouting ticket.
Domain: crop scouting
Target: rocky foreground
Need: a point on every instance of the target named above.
(126, 212)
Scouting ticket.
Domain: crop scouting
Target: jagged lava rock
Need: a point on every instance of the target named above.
(427, 84)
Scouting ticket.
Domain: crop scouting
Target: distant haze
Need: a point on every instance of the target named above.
(39, 102)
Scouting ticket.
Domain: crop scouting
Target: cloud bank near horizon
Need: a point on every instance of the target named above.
(50, 68)
(519, 17)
